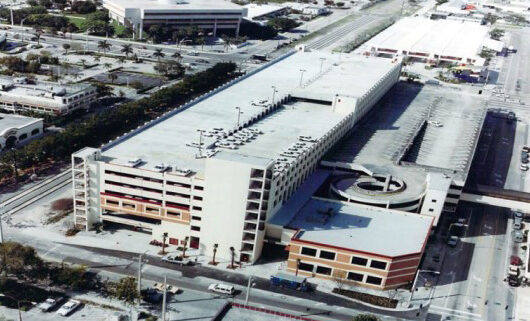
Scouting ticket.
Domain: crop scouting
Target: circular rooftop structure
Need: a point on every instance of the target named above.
(383, 190)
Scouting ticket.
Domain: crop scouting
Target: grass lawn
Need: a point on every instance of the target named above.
(77, 21)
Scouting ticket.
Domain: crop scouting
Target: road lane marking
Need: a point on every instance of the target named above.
(454, 311)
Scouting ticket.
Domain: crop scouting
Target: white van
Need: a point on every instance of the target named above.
(221, 288)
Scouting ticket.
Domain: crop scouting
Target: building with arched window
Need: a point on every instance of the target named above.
(16, 130)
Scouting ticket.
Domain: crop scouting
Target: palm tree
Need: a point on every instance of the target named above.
(158, 54)
(127, 50)
(107, 65)
(177, 56)
(215, 246)
(76, 76)
(184, 246)
(83, 62)
(66, 46)
(164, 236)
(121, 60)
(97, 59)
(38, 34)
(112, 77)
(233, 255)
(201, 41)
(104, 45)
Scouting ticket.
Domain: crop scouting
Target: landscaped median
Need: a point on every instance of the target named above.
(104, 126)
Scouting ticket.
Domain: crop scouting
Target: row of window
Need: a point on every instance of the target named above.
(353, 276)
(356, 260)
(154, 180)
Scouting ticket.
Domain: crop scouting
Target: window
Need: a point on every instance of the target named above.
(23, 136)
(173, 214)
(355, 276)
(197, 218)
(128, 205)
(327, 255)
(433, 200)
(199, 188)
(323, 270)
(197, 208)
(359, 261)
(35, 132)
(112, 203)
(198, 198)
(309, 251)
(196, 228)
(431, 209)
(305, 267)
(378, 264)
(374, 280)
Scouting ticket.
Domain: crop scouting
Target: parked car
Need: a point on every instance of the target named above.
(169, 288)
(517, 225)
(453, 241)
(515, 260)
(518, 215)
(518, 236)
(514, 281)
(524, 167)
(68, 307)
(221, 288)
(176, 259)
(49, 304)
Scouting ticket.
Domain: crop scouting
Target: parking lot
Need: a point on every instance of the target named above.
(128, 78)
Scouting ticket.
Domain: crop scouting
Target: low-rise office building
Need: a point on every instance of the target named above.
(18, 94)
(365, 245)
(16, 130)
(432, 41)
(211, 15)
(217, 171)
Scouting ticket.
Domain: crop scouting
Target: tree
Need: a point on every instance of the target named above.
(365, 317)
(339, 277)
(169, 68)
(104, 45)
(164, 238)
(103, 90)
(177, 56)
(158, 54)
(83, 62)
(282, 23)
(121, 60)
(66, 46)
(125, 289)
(107, 65)
(232, 256)
(496, 33)
(38, 34)
(126, 49)
(185, 246)
(97, 23)
(83, 7)
(97, 59)
(112, 77)
(215, 246)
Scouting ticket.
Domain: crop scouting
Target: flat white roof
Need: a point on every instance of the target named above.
(372, 230)
(169, 141)
(174, 4)
(442, 37)
(255, 10)
(8, 121)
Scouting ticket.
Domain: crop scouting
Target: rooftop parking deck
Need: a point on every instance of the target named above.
(174, 141)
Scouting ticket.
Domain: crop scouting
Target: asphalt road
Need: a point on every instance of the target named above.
(470, 286)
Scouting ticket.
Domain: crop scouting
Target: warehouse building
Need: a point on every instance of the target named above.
(212, 15)
(16, 130)
(19, 93)
(432, 41)
(217, 171)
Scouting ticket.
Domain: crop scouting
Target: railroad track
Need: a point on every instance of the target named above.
(35, 193)
(332, 37)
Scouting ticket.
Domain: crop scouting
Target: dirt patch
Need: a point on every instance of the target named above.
(368, 298)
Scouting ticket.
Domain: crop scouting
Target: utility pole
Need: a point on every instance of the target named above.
(164, 299)
(139, 276)
(302, 75)
(249, 285)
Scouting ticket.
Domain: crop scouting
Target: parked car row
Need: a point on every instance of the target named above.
(66, 309)
(524, 158)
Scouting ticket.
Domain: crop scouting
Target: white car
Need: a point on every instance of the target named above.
(221, 288)
(49, 304)
(68, 307)
(524, 167)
